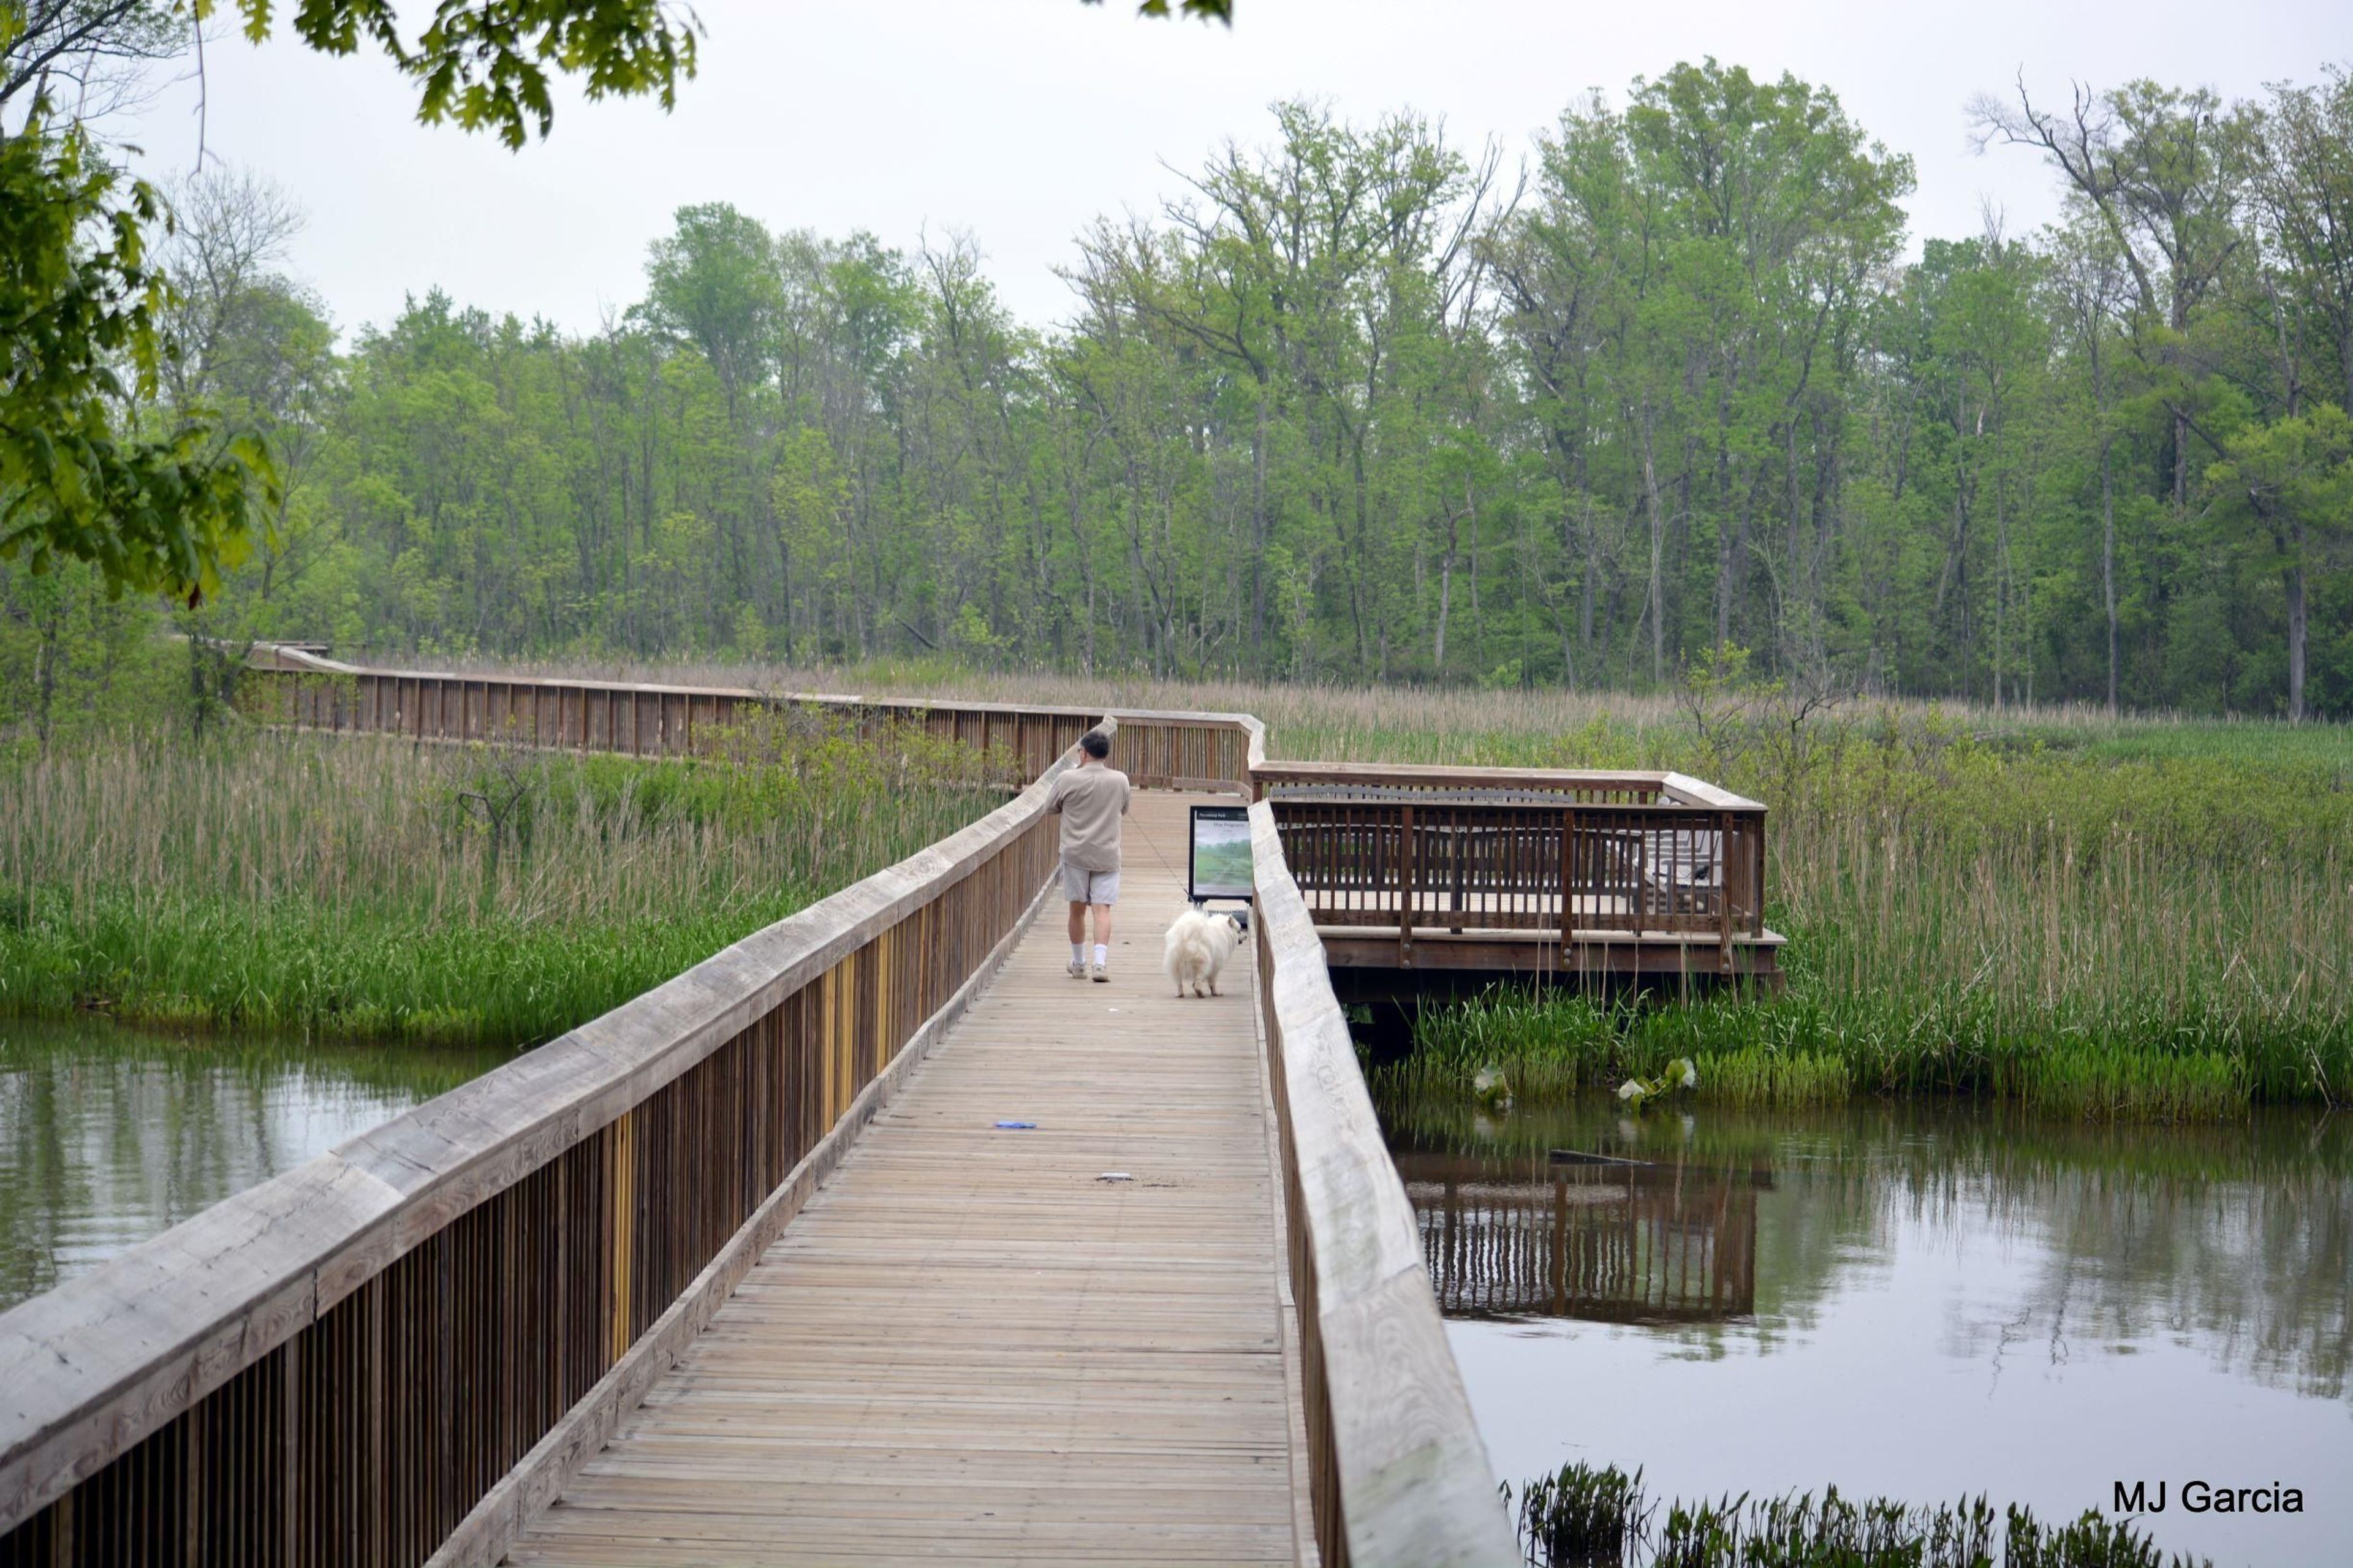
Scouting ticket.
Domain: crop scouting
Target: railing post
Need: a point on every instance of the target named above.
(1405, 888)
(1724, 894)
(1567, 881)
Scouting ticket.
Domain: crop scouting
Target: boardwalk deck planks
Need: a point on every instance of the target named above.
(969, 1346)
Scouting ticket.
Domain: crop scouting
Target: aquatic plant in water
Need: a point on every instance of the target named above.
(1680, 1074)
(1588, 1517)
(1582, 1516)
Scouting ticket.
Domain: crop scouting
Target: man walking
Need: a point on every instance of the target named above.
(1091, 799)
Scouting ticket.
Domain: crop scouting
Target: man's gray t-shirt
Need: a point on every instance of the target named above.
(1089, 800)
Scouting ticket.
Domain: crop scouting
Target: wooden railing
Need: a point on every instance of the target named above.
(1411, 781)
(396, 1352)
(1399, 1475)
(307, 690)
(1688, 863)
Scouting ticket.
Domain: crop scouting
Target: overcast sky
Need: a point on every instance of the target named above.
(1019, 121)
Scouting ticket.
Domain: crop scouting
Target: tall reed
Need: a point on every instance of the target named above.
(359, 885)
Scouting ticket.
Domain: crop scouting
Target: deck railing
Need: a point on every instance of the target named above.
(307, 690)
(396, 1352)
(1413, 781)
(1689, 862)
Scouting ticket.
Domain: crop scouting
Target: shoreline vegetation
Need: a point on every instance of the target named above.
(1586, 1517)
(2101, 917)
(365, 888)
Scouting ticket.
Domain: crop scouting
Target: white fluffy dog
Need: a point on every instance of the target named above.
(1199, 945)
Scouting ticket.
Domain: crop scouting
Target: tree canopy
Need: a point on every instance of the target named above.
(1353, 404)
(1349, 406)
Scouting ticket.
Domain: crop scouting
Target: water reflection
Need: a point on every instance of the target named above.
(1627, 1241)
(2239, 1238)
(1911, 1299)
(109, 1135)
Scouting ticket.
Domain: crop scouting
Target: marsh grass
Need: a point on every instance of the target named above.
(1589, 1517)
(1801, 1050)
(1581, 1516)
(343, 884)
(2112, 1081)
(2133, 978)
(1749, 1076)
(2302, 1156)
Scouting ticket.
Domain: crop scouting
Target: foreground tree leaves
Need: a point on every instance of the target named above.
(78, 345)
(485, 64)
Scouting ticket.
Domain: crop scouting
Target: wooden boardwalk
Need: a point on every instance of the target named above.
(970, 1348)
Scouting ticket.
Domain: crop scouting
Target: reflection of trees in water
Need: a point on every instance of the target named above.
(2258, 1273)
(2236, 1239)
(108, 1135)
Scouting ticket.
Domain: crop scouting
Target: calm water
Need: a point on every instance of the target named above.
(1908, 1301)
(109, 1135)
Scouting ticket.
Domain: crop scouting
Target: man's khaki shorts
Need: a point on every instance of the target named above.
(1080, 885)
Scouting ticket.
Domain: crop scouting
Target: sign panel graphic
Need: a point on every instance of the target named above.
(1220, 865)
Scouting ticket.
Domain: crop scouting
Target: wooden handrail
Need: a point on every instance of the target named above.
(1581, 783)
(1597, 786)
(1694, 791)
(1401, 1477)
(1155, 749)
(1415, 862)
(289, 659)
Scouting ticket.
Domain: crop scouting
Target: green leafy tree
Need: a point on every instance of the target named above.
(81, 300)
(81, 296)
(2293, 479)
(1339, 411)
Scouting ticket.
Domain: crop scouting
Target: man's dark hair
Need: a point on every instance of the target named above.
(1095, 744)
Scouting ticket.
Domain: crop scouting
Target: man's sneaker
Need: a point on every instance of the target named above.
(1077, 969)
(1102, 975)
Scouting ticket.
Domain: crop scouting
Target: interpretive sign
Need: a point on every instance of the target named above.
(1220, 863)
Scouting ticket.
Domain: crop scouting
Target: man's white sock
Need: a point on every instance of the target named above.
(1078, 953)
(1102, 955)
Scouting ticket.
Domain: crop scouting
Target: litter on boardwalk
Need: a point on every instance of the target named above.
(1016, 1126)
